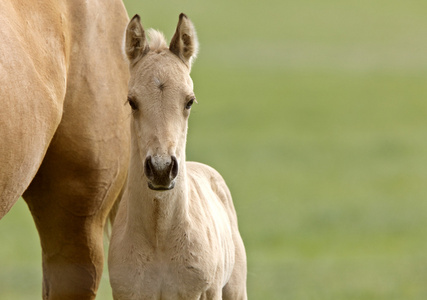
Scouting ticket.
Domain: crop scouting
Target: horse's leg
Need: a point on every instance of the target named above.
(70, 197)
(72, 263)
(69, 204)
(86, 164)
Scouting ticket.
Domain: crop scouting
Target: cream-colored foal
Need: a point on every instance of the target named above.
(175, 235)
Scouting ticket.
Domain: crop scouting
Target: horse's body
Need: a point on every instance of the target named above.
(175, 235)
(64, 137)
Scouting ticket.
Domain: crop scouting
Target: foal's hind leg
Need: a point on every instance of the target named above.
(235, 289)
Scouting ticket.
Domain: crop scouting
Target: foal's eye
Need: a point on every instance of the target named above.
(132, 103)
(189, 104)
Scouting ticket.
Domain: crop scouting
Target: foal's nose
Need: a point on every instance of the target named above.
(161, 172)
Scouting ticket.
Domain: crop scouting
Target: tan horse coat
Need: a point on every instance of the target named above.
(64, 135)
(176, 233)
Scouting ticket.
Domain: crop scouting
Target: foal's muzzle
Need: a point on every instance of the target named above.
(161, 172)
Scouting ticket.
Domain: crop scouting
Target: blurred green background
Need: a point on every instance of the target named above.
(315, 113)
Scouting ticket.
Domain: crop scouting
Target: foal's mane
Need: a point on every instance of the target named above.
(157, 41)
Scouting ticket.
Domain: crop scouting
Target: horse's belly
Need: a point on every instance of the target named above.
(32, 77)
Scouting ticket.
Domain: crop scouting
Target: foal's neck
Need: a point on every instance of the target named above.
(156, 215)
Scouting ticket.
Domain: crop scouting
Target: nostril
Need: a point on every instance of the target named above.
(148, 167)
(174, 169)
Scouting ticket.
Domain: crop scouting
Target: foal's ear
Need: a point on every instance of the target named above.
(184, 43)
(136, 45)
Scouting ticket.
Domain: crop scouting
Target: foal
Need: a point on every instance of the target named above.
(175, 235)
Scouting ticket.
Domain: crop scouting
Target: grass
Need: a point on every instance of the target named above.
(314, 112)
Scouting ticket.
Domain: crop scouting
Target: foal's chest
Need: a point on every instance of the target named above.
(172, 277)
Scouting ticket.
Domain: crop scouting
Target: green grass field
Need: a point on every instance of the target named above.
(315, 112)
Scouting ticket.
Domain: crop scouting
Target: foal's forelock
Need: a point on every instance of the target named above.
(157, 41)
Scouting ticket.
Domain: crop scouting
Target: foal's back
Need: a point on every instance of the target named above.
(210, 196)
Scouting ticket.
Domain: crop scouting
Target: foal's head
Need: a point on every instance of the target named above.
(161, 96)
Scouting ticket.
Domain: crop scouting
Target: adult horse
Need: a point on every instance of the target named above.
(64, 140)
